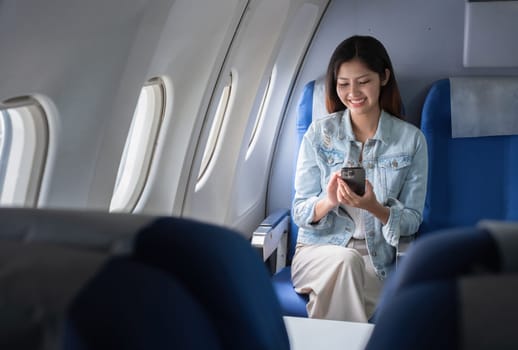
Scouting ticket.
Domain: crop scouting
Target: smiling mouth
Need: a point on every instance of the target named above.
(358, 101)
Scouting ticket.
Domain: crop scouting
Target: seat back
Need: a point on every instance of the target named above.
(224, 295)
(133, 282)
(470, 178)
(311, 106)
(46, 256)
(455, 289)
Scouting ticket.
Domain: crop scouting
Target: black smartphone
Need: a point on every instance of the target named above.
(354, 177)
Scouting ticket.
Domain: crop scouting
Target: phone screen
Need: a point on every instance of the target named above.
(354, 177)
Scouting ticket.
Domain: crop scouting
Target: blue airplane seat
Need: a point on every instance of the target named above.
(292, 303)
(472, 168)
(455, 289)
(179, 265)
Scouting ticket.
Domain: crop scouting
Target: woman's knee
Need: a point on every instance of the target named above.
(348, 255)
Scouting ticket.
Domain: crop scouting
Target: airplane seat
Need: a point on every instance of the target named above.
(186, 283)
(471, 130)
(311, 104)
(46, 256)
(66, 273)
(455, 289)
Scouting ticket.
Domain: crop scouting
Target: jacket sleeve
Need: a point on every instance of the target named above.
(406, 211)
(308, 189)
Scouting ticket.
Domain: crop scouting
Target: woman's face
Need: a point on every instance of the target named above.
(359, 88)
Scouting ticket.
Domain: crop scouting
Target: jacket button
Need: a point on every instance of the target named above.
(373, 253)
(370, 166)
(394, 164)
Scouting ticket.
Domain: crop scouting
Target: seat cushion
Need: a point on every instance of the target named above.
(292, 303)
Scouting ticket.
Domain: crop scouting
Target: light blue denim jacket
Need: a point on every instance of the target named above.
(396, 164)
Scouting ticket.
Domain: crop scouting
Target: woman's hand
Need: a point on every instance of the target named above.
(368, 201)
(330, 201)
(347, 196)
(332, 189)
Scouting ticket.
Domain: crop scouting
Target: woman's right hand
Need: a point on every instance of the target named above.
(331, 201)
(332, 189)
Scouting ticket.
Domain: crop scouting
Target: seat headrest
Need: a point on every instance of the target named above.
(312, 105)
(484, 106)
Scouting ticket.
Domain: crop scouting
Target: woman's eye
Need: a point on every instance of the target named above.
(364, 82)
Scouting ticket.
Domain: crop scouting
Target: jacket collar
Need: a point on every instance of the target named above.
(383, 131)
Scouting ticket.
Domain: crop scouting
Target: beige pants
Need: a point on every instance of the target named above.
(341, 283)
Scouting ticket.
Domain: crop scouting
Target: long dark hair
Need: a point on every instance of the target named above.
(373, 54)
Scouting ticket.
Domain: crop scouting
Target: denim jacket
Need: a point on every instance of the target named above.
(396, 164)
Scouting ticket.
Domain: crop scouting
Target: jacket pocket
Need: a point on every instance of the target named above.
(393, 171)
(331, 157)
(330, 160)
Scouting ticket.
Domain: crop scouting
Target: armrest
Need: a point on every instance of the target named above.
(271, 235)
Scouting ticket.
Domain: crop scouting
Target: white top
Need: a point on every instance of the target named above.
(357, 216)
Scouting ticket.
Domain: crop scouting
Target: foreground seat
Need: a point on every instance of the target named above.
(94, 280)
(46, 256)
(455, 289)
(187, 285)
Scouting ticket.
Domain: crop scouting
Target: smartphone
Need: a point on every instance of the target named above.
(354, 177)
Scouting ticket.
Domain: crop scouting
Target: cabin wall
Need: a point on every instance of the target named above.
(89, 59)
(425, 40)
(191, 47)
(260, 68)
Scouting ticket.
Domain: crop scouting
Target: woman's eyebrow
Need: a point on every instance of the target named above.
(361, 76)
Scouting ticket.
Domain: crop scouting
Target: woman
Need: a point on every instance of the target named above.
(347, 242)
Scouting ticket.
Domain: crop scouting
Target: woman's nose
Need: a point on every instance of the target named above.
(353, 89)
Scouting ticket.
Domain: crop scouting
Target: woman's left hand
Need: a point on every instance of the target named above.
(348, 197)
(368, 201)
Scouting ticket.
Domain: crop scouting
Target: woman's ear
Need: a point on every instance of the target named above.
(385, 79)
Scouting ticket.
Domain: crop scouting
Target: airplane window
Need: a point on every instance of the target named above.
(140, 146)
(24, 141)
(215, 129)
(259, 118)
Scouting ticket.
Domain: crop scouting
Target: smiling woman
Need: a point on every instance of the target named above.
(347, 242)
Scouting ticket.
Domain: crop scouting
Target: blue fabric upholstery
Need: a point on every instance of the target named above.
(419, 317)
(469, 178)
(225, 275)
(292, 303)
(304, 119)
(130, 305)
(419, 307)
(183, 276)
